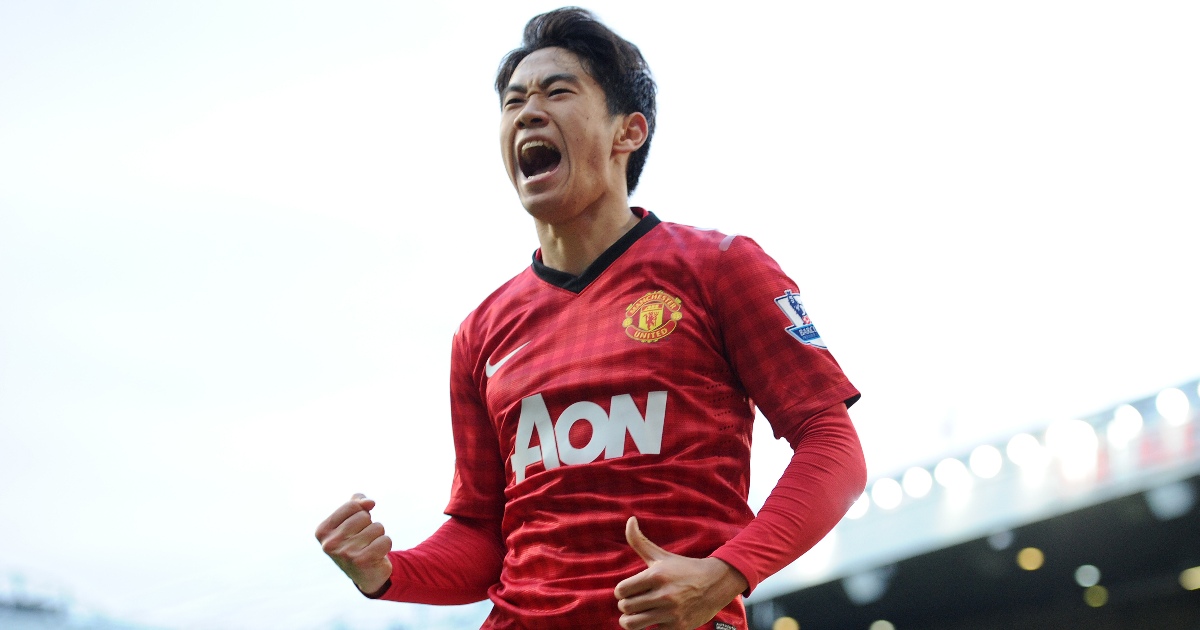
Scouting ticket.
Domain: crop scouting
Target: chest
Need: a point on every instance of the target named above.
(628, 349)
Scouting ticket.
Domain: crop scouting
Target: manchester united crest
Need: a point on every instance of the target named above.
(653, 316)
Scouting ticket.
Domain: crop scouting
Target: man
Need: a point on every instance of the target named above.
(608, 387)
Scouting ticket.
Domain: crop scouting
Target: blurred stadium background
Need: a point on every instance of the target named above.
(1084, 523)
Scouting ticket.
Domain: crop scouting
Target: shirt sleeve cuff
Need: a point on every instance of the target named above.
(751, 578)
(379, 593)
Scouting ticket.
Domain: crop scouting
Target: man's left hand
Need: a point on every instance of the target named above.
(674, 592)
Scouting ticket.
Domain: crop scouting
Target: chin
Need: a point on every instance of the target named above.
(543, 206)
(543, 210)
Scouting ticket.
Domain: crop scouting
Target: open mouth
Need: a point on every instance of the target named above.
(537, 157)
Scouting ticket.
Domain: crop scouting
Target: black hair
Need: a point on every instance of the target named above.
(614, 63)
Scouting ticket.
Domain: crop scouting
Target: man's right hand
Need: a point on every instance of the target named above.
(357, 544)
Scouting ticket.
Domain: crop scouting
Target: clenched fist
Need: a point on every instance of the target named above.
(357, 544)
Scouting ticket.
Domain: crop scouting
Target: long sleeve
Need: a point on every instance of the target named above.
(826, 474)
(456, 565)
(790, 375)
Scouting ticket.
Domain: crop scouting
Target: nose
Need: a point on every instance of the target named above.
(531, 114)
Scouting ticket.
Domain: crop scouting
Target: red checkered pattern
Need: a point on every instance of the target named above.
(569, 356)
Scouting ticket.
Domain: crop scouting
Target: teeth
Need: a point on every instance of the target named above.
(534, 144)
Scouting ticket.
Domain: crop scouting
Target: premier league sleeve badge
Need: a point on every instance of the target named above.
(802, 327)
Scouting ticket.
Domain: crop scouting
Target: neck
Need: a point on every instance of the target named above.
(574, 244)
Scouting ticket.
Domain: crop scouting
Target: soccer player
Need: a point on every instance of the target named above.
(602, 400)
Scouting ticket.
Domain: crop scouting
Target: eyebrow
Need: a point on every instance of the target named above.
(544, 84)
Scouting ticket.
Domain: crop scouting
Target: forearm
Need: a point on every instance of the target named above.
(456, 565)
(826, 474)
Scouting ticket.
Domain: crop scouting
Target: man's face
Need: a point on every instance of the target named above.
(557, 137)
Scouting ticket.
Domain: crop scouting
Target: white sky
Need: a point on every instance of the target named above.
(236, 238)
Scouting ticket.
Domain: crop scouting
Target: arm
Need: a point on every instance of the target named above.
(788, 372)
(826, 474)
(456, 565)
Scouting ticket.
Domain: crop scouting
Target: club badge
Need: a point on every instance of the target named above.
(653, 316)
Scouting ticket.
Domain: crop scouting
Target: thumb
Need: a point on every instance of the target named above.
(649, 552)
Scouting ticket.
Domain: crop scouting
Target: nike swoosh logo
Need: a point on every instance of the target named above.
(489, 369)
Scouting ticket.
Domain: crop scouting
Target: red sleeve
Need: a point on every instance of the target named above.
(456, 565)
(826, 474)
(478, 488)
(789, 374)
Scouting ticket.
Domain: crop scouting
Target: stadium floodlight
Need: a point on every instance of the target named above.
(1125, 426)
(868, 587)
(1031, 558)
(986, 461)
(952, 474)
(886, 493)
(1087, 575)
(785, 623)
(1172, 404)
(1095, 596)
(1075, 444)
(1025, 451)
(859, 508)
(1189, 579)
(1170, 501)
(917, 482)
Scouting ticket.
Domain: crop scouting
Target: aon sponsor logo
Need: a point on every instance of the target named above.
(608, 431)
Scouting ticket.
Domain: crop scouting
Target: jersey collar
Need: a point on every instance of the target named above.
(576, 284)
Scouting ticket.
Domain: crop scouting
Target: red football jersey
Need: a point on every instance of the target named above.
(580, 401)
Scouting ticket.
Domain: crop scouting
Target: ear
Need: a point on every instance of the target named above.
(631, 134)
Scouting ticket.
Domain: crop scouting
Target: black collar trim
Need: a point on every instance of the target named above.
(576, 284)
